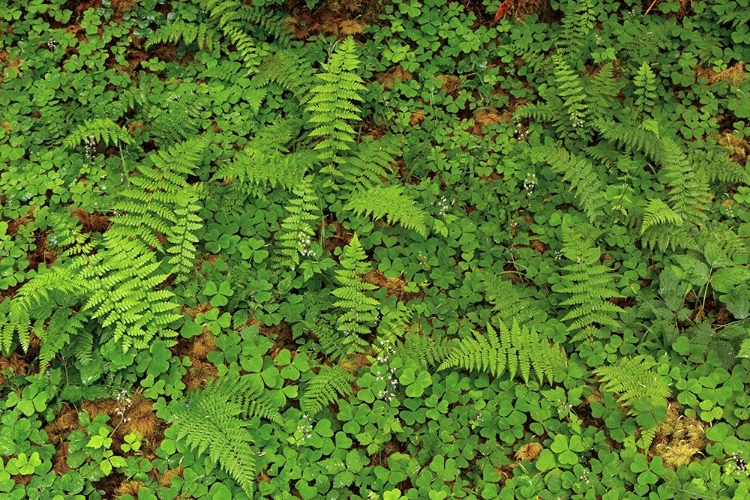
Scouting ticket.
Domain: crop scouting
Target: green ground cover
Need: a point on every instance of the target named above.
(410, 249)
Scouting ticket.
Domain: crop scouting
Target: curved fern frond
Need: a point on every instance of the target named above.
(98, 130)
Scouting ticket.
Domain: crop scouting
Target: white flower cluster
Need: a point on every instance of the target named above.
(518, 130)
(576, 119)
(584, 477)
(123, 403)
(444, 205)
(304, 242)
(305, 426)
(558, 255)
(530, 183)
(51, 43)
(389, 376)
(90, 148)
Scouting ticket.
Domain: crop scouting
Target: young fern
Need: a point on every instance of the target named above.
(516, 350)
(359, 311)
(325, 388)
(580, 173)
(633, 378)
(589, 286)
(332, 105)
(98, 130)
(645, 89)
(390, 202)
(297, 228)
(215, 419)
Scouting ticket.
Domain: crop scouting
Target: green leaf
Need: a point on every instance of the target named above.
(545, 461)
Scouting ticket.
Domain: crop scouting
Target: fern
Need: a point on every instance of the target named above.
(511, 301)
(181, 235)
(292, 69)
(147, 207)
(34, 302)
(203, 35)
(589, 286)
(368, 165)
(215, 419)
(427, 351)
(359, 311)
(332, 107)
(122, 280)
(633, 378)
(296, 229)
(586, 182)
(645, 88)
(601, 91)
(389, 202)
(265, 162)
(180, 120)
(516, 350)
(325, 388)
(658, 212)
(98, 130)
(576, 25)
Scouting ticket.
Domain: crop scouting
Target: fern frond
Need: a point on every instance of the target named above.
(718, 168)
(297, 228)
(292, 69)
(570, 88)
(577, 22)
(332, 107)
(179, 120)
(325, 388)
(634, 378)
(368, 165)
(389, 202)
(511, 301)
(359, 311)
(203, 35)
(602, 91)
(515, 350)
(427, 351)
(583, 177)
(589, 286)
(98, 130)
(645, 88)
(209, 420)
(181, 236)
(658, 212)
(265, 162)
